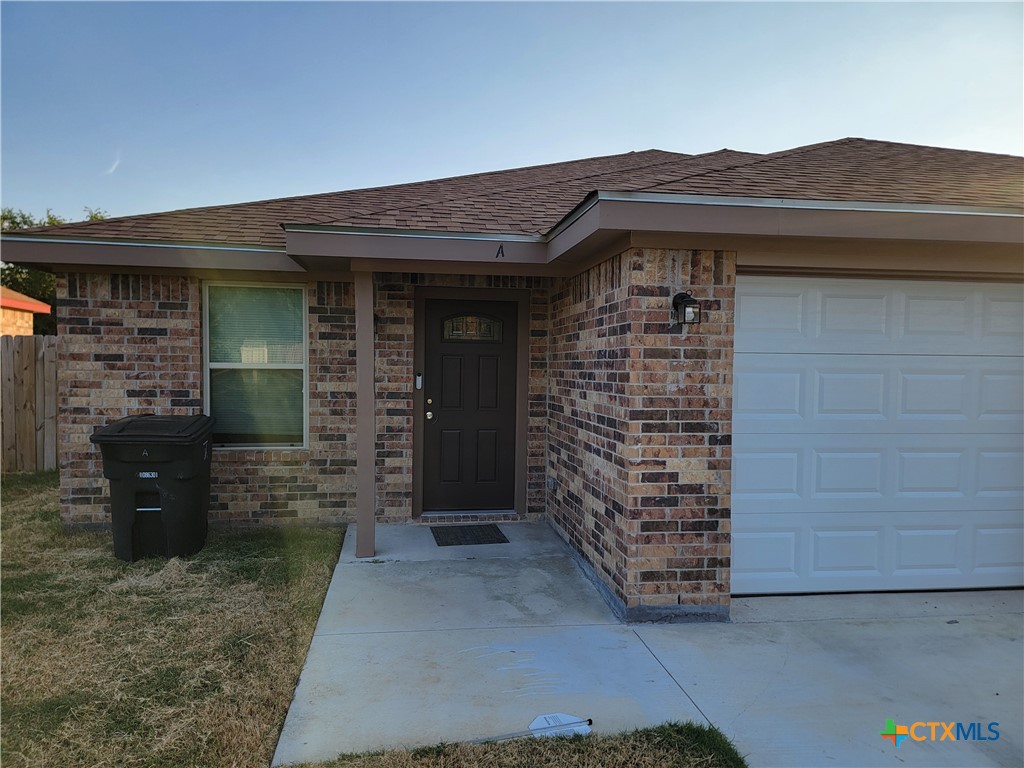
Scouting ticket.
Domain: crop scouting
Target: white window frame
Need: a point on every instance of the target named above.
(304, 366)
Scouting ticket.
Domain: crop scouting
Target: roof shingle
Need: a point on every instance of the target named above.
(532, 200)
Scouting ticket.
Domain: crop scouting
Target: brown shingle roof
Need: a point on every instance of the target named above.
(875, 171)
(532, 200)
(258, 223)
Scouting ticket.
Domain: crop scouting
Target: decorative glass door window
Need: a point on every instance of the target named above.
(472, 328)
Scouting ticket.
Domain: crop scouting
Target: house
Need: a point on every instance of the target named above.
(845, 416)
(17, 312)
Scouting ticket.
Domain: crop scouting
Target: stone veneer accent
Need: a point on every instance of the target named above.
(640, 430)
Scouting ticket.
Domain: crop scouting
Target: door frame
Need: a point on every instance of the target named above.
(521, 298)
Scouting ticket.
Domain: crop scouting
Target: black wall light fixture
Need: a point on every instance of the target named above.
(686, 310)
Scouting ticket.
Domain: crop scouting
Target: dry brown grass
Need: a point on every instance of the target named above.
(194, 662)
(156, 663)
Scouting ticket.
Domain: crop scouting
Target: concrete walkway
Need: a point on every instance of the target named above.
(425, 644)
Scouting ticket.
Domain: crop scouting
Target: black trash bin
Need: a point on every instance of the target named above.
(159, 472)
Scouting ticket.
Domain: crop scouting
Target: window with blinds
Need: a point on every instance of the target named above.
(256, 355)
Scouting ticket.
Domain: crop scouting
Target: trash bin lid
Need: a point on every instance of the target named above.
(153, 428)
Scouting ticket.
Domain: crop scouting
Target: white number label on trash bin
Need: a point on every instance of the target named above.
(148, 475)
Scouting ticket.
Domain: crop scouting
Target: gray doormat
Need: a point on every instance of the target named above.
(461, 535)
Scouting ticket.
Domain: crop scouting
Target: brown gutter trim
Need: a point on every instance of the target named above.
(458, 267)
(454, 246)
(115, 255)
(366, 470)
(605, 214)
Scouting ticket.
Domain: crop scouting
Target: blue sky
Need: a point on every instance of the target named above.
(140, 107)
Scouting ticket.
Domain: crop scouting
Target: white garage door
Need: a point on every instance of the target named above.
(877, 435)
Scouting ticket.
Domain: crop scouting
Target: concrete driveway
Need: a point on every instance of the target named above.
(425, 644)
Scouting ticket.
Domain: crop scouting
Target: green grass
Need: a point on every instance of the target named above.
(673, 745)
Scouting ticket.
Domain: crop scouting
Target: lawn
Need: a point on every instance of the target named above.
(193, 662)
(156, 663)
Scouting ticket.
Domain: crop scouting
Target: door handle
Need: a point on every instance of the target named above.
(430, 415)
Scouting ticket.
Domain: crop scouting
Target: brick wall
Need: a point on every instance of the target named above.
(588, 414)
(132, 345)
(126, 345)
(318, 484)
(630, 423)
(394, 349)
(644, 497)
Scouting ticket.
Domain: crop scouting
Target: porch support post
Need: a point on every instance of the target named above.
(365, 421)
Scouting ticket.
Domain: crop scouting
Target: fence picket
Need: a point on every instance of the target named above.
(25, 402)
(50, 404)
(28, 403)
(8, 423)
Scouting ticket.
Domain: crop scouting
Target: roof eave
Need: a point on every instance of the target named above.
(62, 253)
(604, 216)
(600, 219)
(29, 305)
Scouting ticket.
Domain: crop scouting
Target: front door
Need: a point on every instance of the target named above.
(469, 396)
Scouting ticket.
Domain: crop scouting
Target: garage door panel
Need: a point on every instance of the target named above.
(838, 474)
(764, 472)
(878, 317)
(877, 436)
(925, 550)
(927, 316)
(933, 548)
(769, 395)
(997, 548)
(847, 316)
(999, 472)
(847, 394)
(926, 472)
(836, 551)
(848, 474)
(1002, 396)
(1004, 316)
(877, 394)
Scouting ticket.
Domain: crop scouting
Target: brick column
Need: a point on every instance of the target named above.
(640, 430)
(679, 444)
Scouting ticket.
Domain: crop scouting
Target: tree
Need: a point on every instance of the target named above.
(34, 282)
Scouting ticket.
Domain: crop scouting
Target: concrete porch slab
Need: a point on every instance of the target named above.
(415, 543)
(459, 594)
(423, 644)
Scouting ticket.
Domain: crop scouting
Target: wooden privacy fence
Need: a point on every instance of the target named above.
(28, 402)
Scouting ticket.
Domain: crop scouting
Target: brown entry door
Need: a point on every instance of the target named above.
(469, 397)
